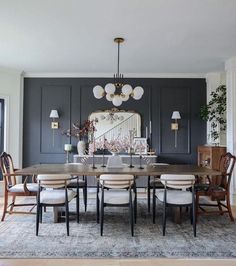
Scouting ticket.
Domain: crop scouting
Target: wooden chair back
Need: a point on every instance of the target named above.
(117, 181)
(176, 181)
(226, 166)
(53, 181)
(7, 169)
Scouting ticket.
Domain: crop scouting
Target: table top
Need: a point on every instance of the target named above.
(148, 170)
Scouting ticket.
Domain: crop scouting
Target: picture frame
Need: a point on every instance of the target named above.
(140, 145)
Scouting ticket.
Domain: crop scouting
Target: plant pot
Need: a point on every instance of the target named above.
(81, 147)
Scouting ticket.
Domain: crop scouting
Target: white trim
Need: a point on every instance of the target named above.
(6, 99)
(103, 75)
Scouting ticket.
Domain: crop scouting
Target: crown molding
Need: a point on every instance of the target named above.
(105, 75)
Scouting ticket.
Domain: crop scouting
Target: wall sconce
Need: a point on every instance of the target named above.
(54, 125)
(175, 125)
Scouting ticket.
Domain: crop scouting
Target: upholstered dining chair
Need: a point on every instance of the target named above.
(14, 189)
(178, 192)
(216, 191)
(158, 185)
(53, 191)
(117, 190)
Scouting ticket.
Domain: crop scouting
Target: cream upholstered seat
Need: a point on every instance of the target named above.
(178, 195)
(116, 197)
(116, 190)
(32, 187)
(56, 196)
(53, 191)
(175, 197)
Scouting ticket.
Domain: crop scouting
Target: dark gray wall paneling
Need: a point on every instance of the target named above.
(74, 100)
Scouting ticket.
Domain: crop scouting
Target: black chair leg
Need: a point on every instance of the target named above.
(40, 214)
(164, 220)
(77, 205)
(131, 217)
(67, 218)
(85, 198)
(194, 221)
(37, 219)
(148, 194)
(102, 216)
(98, 203)
(191, 215)
(154, 205)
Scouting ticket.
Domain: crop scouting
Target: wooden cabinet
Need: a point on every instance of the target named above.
(209, 156)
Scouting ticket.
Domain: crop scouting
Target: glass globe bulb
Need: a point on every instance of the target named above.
(98, 90)
(138, 90)
(117, 100)
(109, 97)
(127, 89)
(110, 88)
(98, 95)
(125, 97)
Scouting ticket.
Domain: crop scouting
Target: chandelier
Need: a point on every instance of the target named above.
(118, 92)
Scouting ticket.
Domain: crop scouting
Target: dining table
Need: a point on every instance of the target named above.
(77, 169)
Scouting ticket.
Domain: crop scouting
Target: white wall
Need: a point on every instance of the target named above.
(11, 88)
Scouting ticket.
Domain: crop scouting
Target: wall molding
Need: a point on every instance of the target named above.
(110, 75)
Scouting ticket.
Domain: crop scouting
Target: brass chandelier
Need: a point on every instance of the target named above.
(118, 92)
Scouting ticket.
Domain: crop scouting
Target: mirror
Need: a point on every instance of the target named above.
(116, 124)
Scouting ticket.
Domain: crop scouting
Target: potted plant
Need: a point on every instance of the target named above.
(215, 113)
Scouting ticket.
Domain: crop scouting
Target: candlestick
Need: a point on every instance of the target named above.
(94, 167)
(130, 164)
(140, 162)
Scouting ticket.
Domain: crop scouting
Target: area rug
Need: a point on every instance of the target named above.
(216, 236)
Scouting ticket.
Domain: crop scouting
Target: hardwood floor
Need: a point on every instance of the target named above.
(117, 262)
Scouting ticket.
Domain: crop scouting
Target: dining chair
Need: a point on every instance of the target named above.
(53, 192)
(217, 190)
(117, 191)
(14, 189)
(158, 185)
(178, 192)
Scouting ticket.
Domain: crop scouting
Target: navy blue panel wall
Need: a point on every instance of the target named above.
(74, 100)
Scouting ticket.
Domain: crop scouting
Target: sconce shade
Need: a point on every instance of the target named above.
(54, 114)
(176, 115)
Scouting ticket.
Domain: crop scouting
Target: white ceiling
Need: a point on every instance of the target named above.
(162, 36)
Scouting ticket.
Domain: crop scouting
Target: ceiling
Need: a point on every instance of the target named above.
(76, 36)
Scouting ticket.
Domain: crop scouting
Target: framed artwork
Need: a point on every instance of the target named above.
(140, 145)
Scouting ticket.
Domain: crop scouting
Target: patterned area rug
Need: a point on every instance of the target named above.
(216, 236)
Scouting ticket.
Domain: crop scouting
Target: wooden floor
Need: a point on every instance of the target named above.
(116, 262)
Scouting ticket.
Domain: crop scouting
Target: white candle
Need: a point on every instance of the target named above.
(150, 127)
(67, 147)
(93, 144)
(146, 132)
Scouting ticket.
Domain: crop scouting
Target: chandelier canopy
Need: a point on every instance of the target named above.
(118, 92)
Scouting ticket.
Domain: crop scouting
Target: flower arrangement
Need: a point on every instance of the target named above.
(114, 145)
(87, 130)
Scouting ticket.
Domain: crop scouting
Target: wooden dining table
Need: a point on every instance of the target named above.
(74, 169)
(148, 170)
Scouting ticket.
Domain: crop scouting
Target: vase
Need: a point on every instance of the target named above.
(114, 161)
(81, 147)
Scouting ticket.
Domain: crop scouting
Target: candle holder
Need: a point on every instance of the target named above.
(130, 160)
(67, 149)
(93, 166)
(103, 158)
(140, 162)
